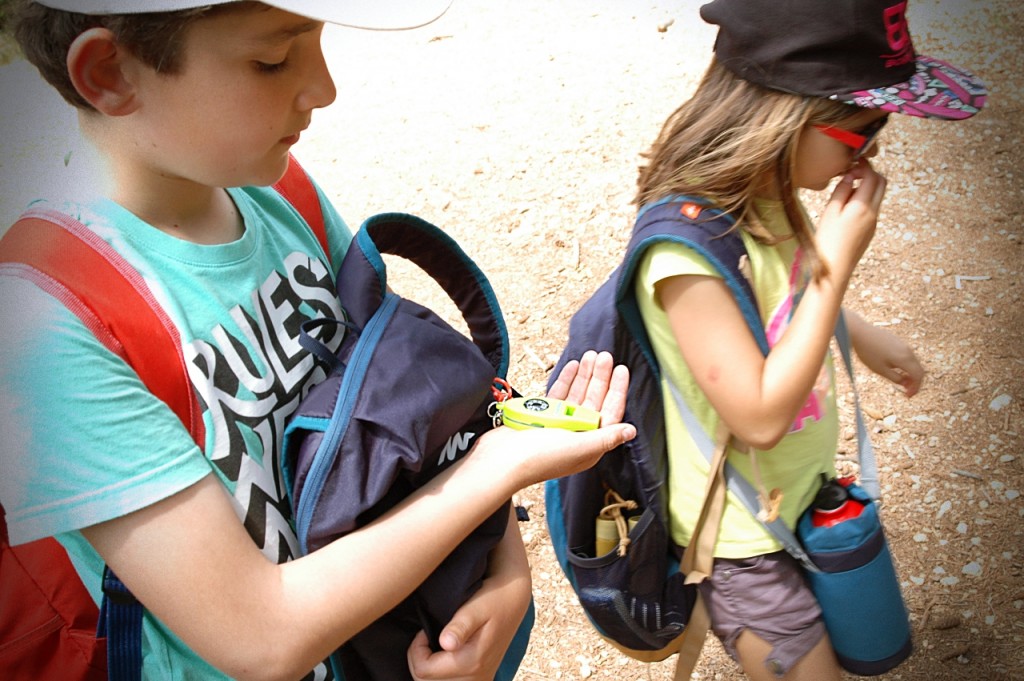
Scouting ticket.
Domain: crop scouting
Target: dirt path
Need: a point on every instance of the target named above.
(518, 129)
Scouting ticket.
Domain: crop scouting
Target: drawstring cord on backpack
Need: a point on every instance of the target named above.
(613, 511)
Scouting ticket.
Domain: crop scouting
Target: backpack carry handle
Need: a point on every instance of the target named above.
(362, 283)
(318, 348)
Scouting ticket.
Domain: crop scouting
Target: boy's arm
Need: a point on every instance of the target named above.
(192, 564)
(884, 353)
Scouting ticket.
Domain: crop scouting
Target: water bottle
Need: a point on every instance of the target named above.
(857, 586)
(833, 504)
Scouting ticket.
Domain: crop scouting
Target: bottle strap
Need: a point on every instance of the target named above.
(865, 451)
(748, 494)
(737, 484)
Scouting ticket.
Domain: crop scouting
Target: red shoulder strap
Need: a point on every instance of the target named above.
(54, 617)
(111, 298)
(298, 190)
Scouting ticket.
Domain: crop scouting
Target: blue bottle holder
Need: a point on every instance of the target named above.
(858, 590)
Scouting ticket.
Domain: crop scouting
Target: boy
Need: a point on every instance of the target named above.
(194, 112)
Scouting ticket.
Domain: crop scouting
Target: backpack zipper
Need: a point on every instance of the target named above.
(357, 367)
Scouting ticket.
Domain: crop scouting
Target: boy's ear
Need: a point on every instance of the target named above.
(96, 66)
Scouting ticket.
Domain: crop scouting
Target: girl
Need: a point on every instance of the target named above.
(794, 97)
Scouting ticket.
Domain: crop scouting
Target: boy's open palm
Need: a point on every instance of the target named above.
(538, 454)
(595, 382)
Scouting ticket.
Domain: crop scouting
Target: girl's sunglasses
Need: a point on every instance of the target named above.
(858, 140)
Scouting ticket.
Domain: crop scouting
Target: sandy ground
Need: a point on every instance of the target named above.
(518, 129)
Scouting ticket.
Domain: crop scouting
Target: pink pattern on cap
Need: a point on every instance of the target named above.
(937, 90)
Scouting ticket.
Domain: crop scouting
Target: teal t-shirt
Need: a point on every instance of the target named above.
(85, 441)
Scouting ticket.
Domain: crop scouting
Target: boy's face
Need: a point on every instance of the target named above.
(248, 87)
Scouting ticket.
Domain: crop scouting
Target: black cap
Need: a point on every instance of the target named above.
(854, 51)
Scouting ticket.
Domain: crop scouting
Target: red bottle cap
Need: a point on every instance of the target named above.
(833, 503)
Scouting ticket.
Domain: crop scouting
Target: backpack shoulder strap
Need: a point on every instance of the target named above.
(94, 282)
(706, 230)
(297, 188)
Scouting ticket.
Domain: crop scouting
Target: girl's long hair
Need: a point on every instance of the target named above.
(735, 141)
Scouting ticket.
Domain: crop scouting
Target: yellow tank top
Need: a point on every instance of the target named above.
(793, 466)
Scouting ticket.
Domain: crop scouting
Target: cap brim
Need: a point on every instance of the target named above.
(381, 15)
(936, 90)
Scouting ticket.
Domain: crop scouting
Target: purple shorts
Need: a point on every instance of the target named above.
(769, 595)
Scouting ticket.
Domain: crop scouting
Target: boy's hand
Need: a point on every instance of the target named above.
(473, 643)
(476, 639)
(594, 381)
(525, 457)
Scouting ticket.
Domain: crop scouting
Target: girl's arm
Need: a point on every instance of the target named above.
(885, 353)
(758, 397)
(194, 566)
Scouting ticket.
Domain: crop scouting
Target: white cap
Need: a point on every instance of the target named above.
(372, 14)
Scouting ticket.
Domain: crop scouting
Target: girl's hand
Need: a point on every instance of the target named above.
(848, 222)
(885, 354)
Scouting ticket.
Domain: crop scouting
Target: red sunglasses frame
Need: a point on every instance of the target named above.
(859, 140)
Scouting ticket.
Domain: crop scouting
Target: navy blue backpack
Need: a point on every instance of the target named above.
(637, 599)
(406, 396)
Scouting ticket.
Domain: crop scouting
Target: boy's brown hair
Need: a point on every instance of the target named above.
(45, 36)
